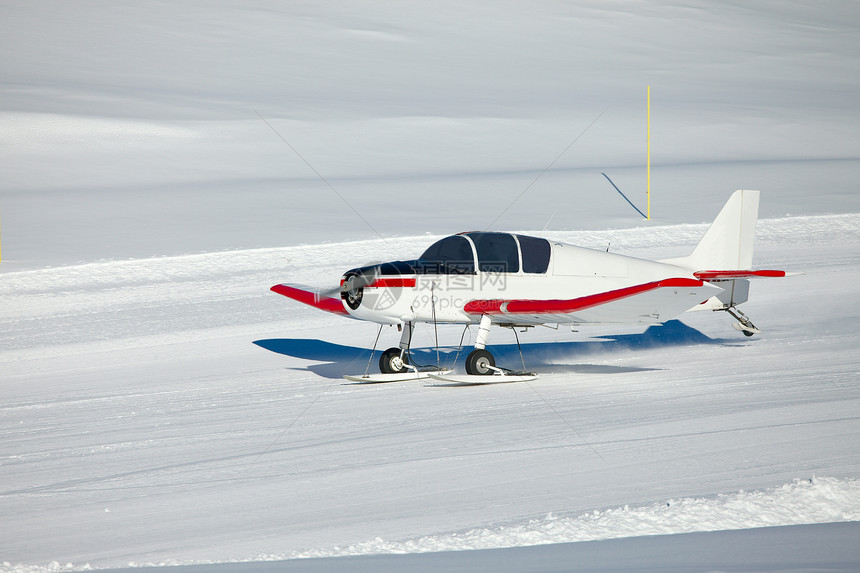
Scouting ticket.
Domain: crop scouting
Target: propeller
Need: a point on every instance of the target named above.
(352, 288)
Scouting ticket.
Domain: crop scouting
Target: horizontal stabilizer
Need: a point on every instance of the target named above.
(725, 275)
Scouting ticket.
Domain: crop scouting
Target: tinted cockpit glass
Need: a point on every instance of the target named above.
(451, 254)
(497, 252)
(536, 254)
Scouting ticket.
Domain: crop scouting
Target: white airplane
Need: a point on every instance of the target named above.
(511, 280)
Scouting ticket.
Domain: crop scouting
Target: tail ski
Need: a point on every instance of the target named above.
(724, 255)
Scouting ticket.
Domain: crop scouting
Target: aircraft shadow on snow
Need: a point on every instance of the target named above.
(550, 357)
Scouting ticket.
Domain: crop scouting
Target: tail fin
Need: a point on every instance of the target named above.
(728, 242)
(724, 255)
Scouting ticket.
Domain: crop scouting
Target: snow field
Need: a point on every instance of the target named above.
(136, 404)
(160, 405)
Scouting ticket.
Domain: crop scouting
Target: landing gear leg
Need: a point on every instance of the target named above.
(480, 362)
(744, 324)
(396, 360)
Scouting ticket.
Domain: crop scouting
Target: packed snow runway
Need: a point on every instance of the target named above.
(173, 410)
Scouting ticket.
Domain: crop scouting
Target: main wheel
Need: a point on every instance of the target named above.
(479, 361)
(391, 363)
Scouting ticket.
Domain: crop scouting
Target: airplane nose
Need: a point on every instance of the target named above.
(351, 292)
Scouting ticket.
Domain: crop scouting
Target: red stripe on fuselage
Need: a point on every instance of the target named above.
(557, 306)
(389, 282)
(393, 282)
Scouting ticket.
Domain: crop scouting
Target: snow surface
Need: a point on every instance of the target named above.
(173, 410)
(161, 406)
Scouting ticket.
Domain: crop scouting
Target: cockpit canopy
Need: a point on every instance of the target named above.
(455, 255)
(496, 253)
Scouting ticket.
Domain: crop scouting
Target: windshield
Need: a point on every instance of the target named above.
(449, 255)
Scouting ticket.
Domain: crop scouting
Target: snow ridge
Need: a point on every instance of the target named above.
(801, 502)
(815, 500)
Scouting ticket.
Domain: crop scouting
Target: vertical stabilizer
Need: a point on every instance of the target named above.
(728, 242)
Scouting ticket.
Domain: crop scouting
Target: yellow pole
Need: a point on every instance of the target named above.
(648, 191)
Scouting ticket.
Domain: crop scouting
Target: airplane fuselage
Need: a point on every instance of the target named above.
(525, 280)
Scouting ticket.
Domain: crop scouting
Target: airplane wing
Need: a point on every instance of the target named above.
(651, 302)
(309, 297)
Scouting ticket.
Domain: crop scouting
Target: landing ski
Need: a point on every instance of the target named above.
(749, 330)
(477, 380)
(396, 377)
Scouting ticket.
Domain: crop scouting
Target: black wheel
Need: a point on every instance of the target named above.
(391, 363)
(479, 361)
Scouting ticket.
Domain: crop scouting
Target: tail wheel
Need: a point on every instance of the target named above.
(391, 363)
(479, 362)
